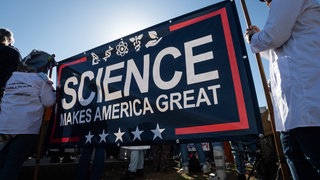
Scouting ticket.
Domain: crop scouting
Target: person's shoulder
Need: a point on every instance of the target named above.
(9, 49)
(14, 49)
(45, 77)
(31, 77)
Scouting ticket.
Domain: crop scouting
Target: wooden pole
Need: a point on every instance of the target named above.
(42, 133)
(282, 162)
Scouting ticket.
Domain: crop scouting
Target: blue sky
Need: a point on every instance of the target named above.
(66, 28)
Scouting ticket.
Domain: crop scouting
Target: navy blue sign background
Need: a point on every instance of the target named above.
(186, 79)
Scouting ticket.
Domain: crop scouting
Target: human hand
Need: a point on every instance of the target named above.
(250, 31)
(45, 77)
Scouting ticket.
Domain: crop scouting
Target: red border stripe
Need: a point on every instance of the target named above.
(243, 124)
(65, 139)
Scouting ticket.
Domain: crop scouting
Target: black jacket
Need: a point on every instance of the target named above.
(9, 60)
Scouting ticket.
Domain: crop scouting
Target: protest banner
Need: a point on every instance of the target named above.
(184, 80)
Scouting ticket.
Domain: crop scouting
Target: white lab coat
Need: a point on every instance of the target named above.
(292, 31)
(22, 107)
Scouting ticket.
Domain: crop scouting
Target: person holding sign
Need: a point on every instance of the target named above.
(28, 91)
(291, 34)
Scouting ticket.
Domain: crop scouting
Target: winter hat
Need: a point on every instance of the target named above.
(38, 61)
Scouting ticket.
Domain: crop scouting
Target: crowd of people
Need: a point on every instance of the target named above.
(290, 40)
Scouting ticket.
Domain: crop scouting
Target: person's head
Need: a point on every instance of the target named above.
(6, 37)
(37, 61)
(268, 2)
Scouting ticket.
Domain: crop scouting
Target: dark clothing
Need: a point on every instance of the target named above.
(161, 156)
(9, 60)
(14, 154)
(94, 172)
(298, 146)
(92, 145)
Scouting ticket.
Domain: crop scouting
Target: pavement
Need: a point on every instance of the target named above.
(54, 166)
(114, 170)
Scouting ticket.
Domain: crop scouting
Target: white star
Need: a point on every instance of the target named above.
(157, 132)
(89, 137)
(136, 134)
(119, 135)
(103, 136)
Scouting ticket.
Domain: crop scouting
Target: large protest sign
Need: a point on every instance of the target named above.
(187, 79)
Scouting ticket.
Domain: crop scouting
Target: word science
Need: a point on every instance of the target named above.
(157, 84)
(103, 81)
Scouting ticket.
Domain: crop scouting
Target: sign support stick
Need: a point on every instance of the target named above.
(43, 130)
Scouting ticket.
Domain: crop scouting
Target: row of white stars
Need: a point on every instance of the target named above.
(137, 134)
